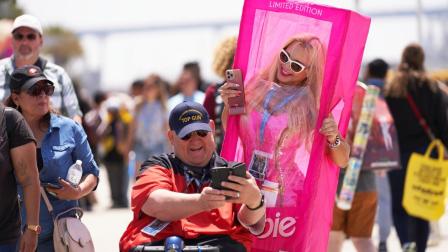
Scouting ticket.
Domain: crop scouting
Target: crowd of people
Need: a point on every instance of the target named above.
(164, 138)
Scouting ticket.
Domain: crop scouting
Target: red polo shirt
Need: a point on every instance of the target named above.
(222, 221)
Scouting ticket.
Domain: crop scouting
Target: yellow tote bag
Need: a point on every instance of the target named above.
(426, 184)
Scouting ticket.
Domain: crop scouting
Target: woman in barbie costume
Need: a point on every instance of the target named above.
(282, 107)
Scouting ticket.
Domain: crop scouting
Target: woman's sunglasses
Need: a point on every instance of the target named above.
(295, 66)
(201, 133)
(20, 36)
(37, 90)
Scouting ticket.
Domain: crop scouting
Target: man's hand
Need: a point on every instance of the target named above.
(166, 205)
(211, 198)
(245, 190)
(28, 241)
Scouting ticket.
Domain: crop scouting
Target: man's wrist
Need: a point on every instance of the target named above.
(203, 205)
(257, 204)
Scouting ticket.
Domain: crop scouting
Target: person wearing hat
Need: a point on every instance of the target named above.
(172, 194)
(60, 143)
(27, 42)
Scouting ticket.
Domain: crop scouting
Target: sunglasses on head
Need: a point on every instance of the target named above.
(295, 66)
(20, 36)
(201, 133)
(37, 90)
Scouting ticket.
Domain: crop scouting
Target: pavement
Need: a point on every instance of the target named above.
(107, 225)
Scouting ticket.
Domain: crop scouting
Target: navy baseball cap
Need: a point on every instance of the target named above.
(25, 77)
(188, 117)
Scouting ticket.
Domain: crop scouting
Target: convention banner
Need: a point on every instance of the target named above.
(300, 62)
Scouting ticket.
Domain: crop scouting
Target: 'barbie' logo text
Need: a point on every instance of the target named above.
(284, 227)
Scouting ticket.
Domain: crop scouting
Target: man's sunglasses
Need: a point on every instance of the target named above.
(20, 36)
(295, 66)
(201, 133)
(37, 90)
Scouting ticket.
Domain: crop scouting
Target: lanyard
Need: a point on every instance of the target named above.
(267, 114)
(198, 182)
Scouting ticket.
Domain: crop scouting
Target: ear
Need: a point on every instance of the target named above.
(41, 43)
(15, 98)
(170, 136)
(212, 125)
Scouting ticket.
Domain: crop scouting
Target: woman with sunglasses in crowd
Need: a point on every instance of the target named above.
(60, 143)
(282, 104)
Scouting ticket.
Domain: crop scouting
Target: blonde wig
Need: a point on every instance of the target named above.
(303, 109)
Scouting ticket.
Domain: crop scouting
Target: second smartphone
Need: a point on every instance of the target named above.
(236, 104)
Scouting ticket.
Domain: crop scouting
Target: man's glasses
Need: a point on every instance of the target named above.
(37, 90)
(20, 36)
(295, 66)
(201, 133)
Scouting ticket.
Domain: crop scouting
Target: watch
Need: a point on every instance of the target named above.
(35, 228)
(259, 206)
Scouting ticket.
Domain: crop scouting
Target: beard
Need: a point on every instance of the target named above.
(25, 53)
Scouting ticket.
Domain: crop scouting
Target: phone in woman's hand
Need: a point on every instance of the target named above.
(236, 104)
(51, 185)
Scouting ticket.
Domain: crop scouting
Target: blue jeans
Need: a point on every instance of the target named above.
(9, 247)
(45, 244)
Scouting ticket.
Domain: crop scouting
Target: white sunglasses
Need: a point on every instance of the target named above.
(295, 66)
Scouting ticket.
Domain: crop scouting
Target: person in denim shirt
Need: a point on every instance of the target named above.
(60, 142)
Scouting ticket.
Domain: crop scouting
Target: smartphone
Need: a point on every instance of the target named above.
(51, 185)
(238, 169)
(236, 104)
(220, 174)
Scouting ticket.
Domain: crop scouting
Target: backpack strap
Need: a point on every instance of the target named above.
(41, 63)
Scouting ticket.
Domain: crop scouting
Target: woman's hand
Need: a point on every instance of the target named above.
(245, 190)
(329, 129)
(67, 192)
(340, 152)
(229, 90)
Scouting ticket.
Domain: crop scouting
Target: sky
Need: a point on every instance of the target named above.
(122, 57)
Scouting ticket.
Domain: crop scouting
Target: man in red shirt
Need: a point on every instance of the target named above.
(171, 195)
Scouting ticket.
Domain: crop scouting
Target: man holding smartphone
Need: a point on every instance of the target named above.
(172, 193)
